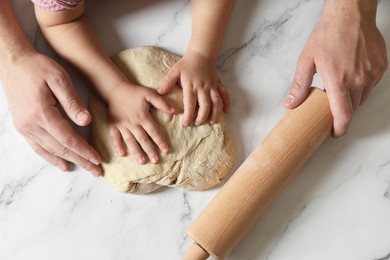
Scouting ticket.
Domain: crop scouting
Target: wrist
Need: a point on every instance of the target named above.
(111, 94)
(13, 58)
(359, 10)
(205, 47)
(210, 57)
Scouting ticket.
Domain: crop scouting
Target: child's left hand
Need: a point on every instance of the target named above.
(198, 77)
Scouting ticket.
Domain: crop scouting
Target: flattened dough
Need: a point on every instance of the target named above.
(199, 157)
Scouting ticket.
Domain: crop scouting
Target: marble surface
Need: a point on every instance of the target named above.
(337, 207)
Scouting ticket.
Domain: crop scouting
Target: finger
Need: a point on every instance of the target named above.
(301, 83)
(189, 101)
(341, 108)
(216, 106)
(204, 107)
(117, 141)
(154, 133)
(64, 133)
(133, 146)
(169, 81)
(367, 91)
(161, 104)
(52, 146)
(62, 88)
(52, 159)
(224, 94)
(143, 139)
(356, 97)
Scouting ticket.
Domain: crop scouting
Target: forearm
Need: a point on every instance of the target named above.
(13, 43)
(209, 22)
(73, 38)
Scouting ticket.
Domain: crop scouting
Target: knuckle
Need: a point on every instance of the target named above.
(60, 152)
(112, 132)
(297, 85)
(216, 99)
(67, 141)
(154, 132)
(361, 79)
(58, 79)
(72, 104)
(27, 122)
(345, 118)
(37, 150)
(339, 75)
(209, 84)
(142, 117)
(85, 165)
(191, 106)
(340, 79)
(204, 104)
(22, 126)
(129, 141)
(143, 139)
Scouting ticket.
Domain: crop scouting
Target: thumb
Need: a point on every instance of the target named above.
(168, 82)
(63, 90)
(301, 83)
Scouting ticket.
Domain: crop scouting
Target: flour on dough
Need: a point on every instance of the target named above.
(199, 157)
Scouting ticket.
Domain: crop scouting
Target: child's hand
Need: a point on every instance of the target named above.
(197, 76)
(131, 123)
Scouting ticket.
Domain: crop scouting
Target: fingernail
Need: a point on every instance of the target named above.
(95, 173)
(121, 153)
(82, 116)
(141, 160)
(154, 159)
(94, 161)
(165, 150)
(59, 166)
(63, 168)
(289, 99)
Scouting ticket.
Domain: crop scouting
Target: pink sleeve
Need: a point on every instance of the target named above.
(56, 5)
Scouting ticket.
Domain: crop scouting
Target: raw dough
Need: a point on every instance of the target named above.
(199, 157)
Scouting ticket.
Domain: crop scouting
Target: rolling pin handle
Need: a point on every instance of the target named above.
(196, 252)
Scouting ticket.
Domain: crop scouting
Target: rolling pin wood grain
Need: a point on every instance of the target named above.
(242, 200)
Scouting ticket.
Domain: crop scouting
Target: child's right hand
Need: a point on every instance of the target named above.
(131, 124)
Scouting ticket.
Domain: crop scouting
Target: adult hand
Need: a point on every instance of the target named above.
(35, 85)
(348, 52)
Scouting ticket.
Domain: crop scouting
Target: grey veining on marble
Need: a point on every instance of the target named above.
(336, 208)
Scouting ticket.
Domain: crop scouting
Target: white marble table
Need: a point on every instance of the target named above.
(337, 207)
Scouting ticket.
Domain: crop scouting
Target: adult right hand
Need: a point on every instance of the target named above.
(348, 52)
(35, 85)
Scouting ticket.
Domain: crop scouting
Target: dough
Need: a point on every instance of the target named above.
(199, 157)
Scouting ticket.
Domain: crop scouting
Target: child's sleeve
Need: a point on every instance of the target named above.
(56, 5)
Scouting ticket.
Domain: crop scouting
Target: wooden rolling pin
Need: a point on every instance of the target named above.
(241, 201)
